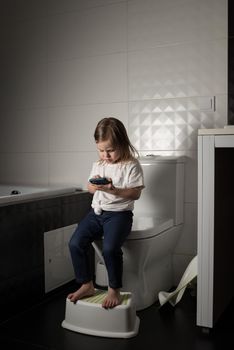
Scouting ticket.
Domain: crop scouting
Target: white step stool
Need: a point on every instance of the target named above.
(89, 317)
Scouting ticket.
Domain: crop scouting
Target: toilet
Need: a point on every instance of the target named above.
(157, 225)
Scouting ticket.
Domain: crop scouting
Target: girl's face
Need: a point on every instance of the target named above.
(107, 152)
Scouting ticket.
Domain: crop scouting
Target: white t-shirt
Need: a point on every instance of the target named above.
(124, 175)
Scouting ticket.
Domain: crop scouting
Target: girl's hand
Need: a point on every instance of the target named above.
(104, 188)
(92, 188)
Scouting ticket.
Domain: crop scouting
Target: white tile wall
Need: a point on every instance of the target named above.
(23, 10)
(55, 6)
(105, 29)
(31, 85)
(71, 128)
(171, 124)
(65, 36)
(24, 168)
(70, 168)
(24, 130)
(96, 79)
(65, 64)
(152, 23)
(97, 31)
(24, 84)
(105, 78)
(181, 70)
(65, 83)
(26, 40)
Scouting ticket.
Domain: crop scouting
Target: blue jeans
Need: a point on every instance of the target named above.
(114, 227)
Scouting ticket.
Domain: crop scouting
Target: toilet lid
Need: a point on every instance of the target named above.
(145, 227)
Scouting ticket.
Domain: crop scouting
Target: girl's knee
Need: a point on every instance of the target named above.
(71, 244)
(78, 243)
(75, 242)
(109, 252)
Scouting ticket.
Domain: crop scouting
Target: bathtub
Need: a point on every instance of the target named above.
(10, 194)
(34, 223)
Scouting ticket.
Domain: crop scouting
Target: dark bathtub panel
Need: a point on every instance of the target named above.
(21, 236)
(75, 208)
(22, 228)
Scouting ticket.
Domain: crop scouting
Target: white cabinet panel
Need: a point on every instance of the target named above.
(215, 287)
(58, 265)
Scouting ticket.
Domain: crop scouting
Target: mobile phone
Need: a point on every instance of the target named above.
(99, 181)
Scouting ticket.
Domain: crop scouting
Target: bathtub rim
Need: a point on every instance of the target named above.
(41, 192)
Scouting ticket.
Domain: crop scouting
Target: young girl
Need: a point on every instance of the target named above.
(111, 213)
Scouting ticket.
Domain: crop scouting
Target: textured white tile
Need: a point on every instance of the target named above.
(71, 168)
(24, 168)
(158, 73)
(171, 124)
(178, 70)
(152, 23)
(24, 131)
(72, 128)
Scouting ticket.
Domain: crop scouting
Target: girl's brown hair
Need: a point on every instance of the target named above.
(112, 129)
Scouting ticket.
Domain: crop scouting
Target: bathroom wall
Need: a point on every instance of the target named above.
(158, 65)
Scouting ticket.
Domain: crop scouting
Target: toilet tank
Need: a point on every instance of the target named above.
(163, 195)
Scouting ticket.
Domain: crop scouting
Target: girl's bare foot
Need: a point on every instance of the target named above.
(112, 299)
(86, 290)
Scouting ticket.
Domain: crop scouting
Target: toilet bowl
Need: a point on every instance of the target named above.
(157, 225)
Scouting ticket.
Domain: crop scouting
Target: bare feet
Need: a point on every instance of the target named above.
(112, 299)
(86, 290)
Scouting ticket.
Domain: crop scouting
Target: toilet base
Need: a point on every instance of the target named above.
(148, 267)
(87, 316)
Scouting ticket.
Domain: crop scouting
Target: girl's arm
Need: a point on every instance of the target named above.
(128, 193)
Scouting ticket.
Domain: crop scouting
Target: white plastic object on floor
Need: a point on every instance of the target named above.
(175, 296)
(89, 317)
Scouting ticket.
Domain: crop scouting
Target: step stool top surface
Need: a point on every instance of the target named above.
(100, 295)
